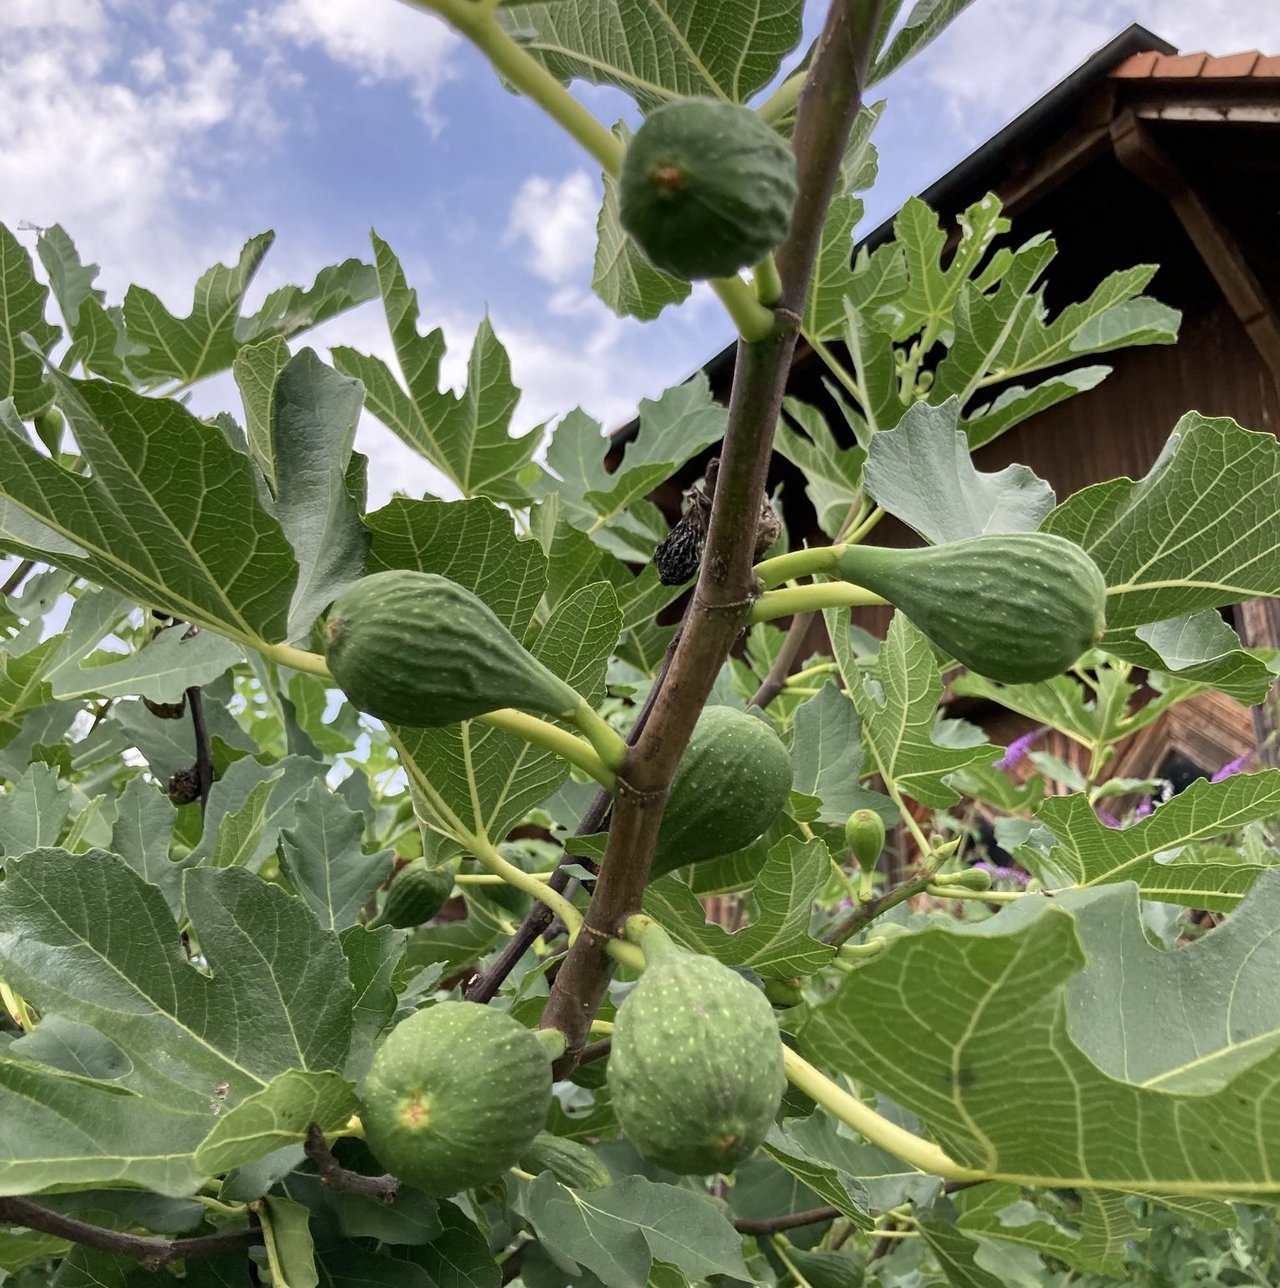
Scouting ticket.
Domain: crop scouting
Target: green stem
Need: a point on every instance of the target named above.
(797, 563)
(812, 672)
(751, 319)
(649, 937)
(485, 853)
(920, 1153)
(543, 733)
(779, 1247)
(782, 100)
(805, 599)
(608, 742)
(488, 878)
(987, 896)
(856, 536)
(218, 1208)
(17, 1007)
(837, 368)
(521, 70)
(855, 952)
(767, 282)
(296, 658)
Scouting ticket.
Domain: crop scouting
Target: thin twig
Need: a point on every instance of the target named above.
(597, 1050)
(789, 1221)
(151, 1253)
(338, 1178)
(773, 683)
(17, 577)
(865, 913)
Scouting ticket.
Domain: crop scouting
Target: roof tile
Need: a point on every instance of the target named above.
(1152, 65)
(1232, 64)
(1181, 66)
(1136, 66)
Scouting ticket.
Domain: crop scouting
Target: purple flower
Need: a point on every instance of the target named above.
(1142, 811)
(1016, 752)
(1109, 819)
(1232, 767)
(1004, 874)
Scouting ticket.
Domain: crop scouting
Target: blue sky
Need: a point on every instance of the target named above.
(162, 136)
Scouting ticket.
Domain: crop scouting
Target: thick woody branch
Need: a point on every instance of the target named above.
(726, 586)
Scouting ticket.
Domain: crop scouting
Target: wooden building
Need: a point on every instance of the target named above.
(1141, 155)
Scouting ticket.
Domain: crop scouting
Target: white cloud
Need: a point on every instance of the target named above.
(558, 221)
(379, 41)
(112, 150)
(83, 16)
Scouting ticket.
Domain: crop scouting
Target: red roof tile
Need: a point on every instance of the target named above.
(1248, 63)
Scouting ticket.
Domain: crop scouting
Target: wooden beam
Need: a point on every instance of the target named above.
(1258, 624)
(1139, 152)
(1264, 112)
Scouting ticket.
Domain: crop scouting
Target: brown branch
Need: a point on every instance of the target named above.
(338, 1178)
(773, 683)
(595, 1051)
(726, 586)
(151, 1253)
(865, 913)
(484, 986)
(773, 1224)
(17, 577)
(204, 752)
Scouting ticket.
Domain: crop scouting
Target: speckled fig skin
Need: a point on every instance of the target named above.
(569, 1161)
(695, 1068)
(1017, 607)
(414, 648)
(733, 781)
(706, 188)
(455, 1095)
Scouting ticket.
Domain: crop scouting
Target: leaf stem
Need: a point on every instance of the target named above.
(542, 733)
(780, 1250)
(486, 853)
(219, 1208)
(804, 599)
(837, 368)
(479, 24)
(522, 71)
(863, 528)
(490, 878)
(920, 1153)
